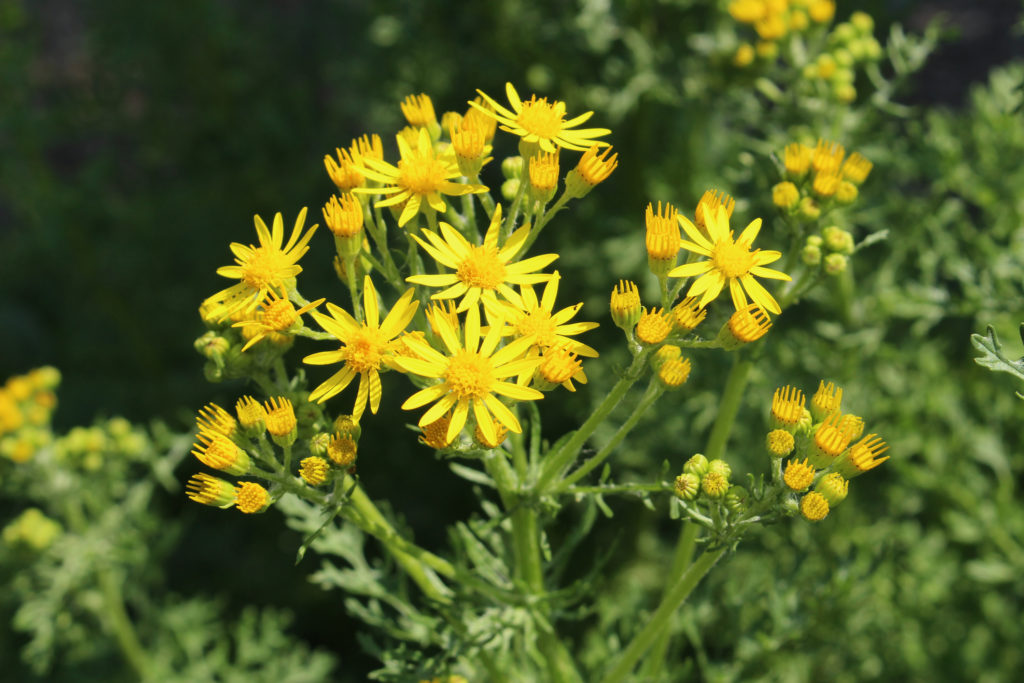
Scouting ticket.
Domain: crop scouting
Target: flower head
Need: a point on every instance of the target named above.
(277, 317)
(219, 452)
(559, 365)
(209, 490)
(862, 456)
(314, 470)
(730, 261)
(420, 178)
(251, 498)
(541, 122)
(593, 168)
(261, 268)
(537, 320)
(213, 418)
(471, 377)
(481, 271)
(365, 347)
(708, 205)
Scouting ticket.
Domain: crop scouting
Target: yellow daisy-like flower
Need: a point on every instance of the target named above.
(542, 123)
(261, 268)
(536, 320)
(278, 315)
(471, 377)
(420, 177)
(483, 271)
(365, 346)
(730, 261)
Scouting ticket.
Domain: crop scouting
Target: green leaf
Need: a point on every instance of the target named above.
(993, 358)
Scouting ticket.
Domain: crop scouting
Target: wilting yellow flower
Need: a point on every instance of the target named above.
(730, 261)
(365, 346)
(537, 320)
(541, 122)
(261, 268)
(471, 377)
(421, 176)
(481, 271)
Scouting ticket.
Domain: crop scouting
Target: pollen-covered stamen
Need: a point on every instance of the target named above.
(363, 350)
(279, 315)
(537, 323)
(263, 268)
(540, 118)
(469, 375)
(733, 259)
(422, 173)
(482, 268)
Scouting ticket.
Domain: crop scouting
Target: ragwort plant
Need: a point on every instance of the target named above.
(442, 289)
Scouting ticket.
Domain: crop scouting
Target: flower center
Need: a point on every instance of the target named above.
(538, 323)
(421, 174)
(732, 259)
(279, 315)
(540, 118)
(264, 267)
(482, 268)
(469, 375)
(363, 350)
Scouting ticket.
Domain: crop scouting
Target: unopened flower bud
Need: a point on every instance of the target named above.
(314, 470)
(814, 507)
(833, 488)
(251, 498)
(779, 443)
(720, 466)
(698, 465)
(714, 485)
(811, 255)
(835, 264)
(785, 195)
(687, 486)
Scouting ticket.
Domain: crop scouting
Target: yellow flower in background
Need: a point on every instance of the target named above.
(261, 268)
(365, 347)
(537, 320)
(421, 177)
(481, 271)
(471, 376)
(541, 122)
(730, 262)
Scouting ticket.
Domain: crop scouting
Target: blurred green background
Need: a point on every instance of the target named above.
(138, 139)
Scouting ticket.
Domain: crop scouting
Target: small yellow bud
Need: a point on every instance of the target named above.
(746, 325)
(213, 418)
(826, 65)
(343, 172)
(342, 450)
(625, 305)
(833, 488)
(863, 22)
(687, 314)
(500, 432)
(686, 486)
(809, 209)
(845, 92)
(825, 184)
(798, 20)
(559, 366)
(798, 475)
(251, 498)
(767, 49)
(827, 157)
(419, 112)
(593, 168)
(673, 373)
(797, 159)
(822, 11)
(714, 485)
(662, 238)
(209, 490)
(251, 415)
(708, 205)
(846, 193)
(478, 119)
(314, 470)
(347, 426)
(787, 408)
(653, 327)
(829, 441)
(853, 424)
(780, 443)
(814, 507)
(771, 27)
(862, 456)
(221, 453)
(826, 400)
(280, 420)
(785, 195)
(32, 529)
(543, 176)
(747, 11)
(856, 168)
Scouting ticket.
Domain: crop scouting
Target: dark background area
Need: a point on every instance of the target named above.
(138, 139)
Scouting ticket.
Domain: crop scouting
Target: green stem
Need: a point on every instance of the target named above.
(680, 561)
(728, 407)
(544, 220)
(513, 212)
(555, 463)
(658, 622)
(654, 390)
(353, 288)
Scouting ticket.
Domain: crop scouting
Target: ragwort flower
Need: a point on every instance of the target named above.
(260, 269)
(481, 271)
(542, 123)
(730, 261)
(472, 376)
(537, 320)
(365, 347)
(420, 177)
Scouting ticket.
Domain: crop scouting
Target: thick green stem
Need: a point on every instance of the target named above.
(659, 621)
(555, 463)
(650, 396)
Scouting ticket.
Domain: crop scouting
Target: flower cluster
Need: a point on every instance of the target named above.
(26, 405)
(773, 20)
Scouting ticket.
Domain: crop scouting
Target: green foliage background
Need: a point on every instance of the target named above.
(139, 139)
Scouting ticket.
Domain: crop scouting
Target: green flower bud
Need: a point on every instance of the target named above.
(697, 465)
(687, 486)
(838, 240)
(811, 255)
(510, 188)
(512, 167)
(720, 466)
(736, 498)
(809, 209)
(714, 485)
(863, 22)
(835, 263)
(833, 488)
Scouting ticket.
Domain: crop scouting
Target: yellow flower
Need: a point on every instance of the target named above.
(471, 377)
(729, 262)
(541, 122)
(536, 320)
(261, 268)
(421, 176)
(365, 346)
(251, 498)
(481, 272)
(558, 365)
(278, 316)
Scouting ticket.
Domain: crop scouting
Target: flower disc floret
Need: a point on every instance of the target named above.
(653, 327)
(251, 498)
(814, 507)
(799, 475)
(314, 470)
